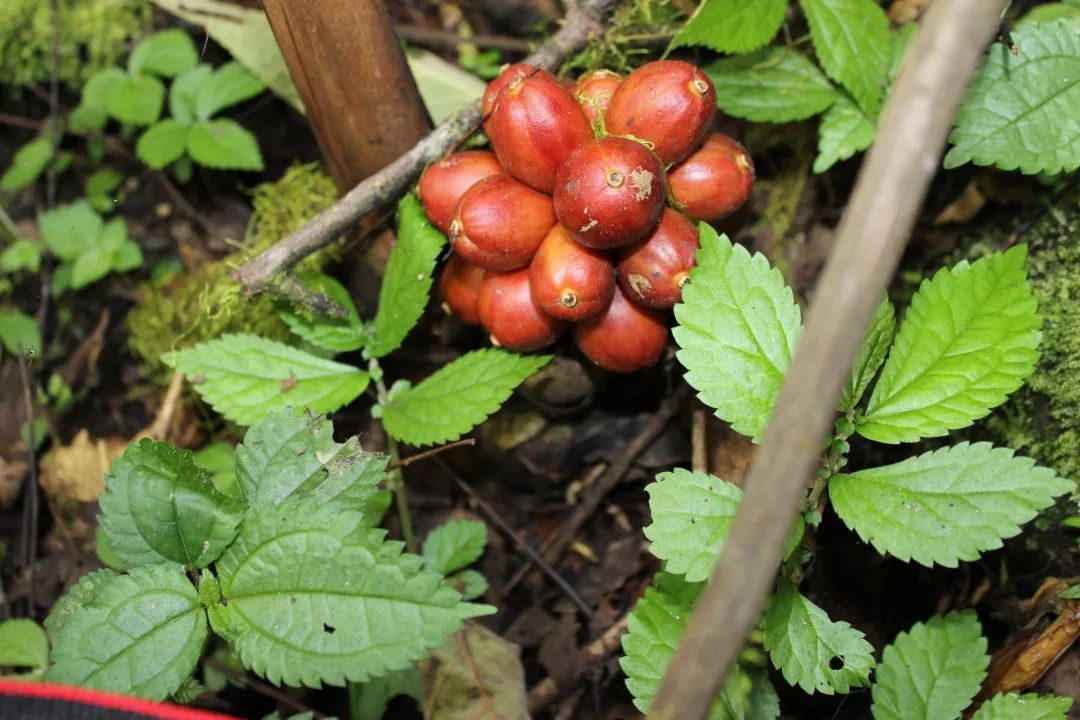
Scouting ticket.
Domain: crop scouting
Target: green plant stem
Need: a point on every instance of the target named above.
(395, 479)
(835, 460)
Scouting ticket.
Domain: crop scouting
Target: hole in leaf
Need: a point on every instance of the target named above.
(836, 663)
(329, 629)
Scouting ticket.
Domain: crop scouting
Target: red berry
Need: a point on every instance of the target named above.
(499, 223)
(623, 338)
(668, 103)
(459, 287)
(509, 313)
(507, 75)
(569, 280)
(444, 182)
(593, 92)
(714, 181)
(653, 271)
(533, 127)
(609, 192)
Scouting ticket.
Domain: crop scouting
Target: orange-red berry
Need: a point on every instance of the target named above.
(508, 312)
(569, 280)
(445, 181)
(625, 337)
(714, 181)
(499, 223)
(593, 92)
(459, 288)
(653, 271)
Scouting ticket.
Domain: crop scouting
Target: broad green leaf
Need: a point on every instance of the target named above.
(19, 333)
(166, 53)
(444, 87)
(691, 515)
(457, 397)
(872, 353)
(1049, 12)
(407, 282)
(654, 629)
(163, 143)
(947, 505)
(932, 671)
(845, 130)
(29, 162)
(369, 700)
(127, 257)
(88, 120)
(95, 93)
(733, 26)
(217, 459)
(159, 506)
(335, 334)
(1029, 706)
(773, 85)
(244, 377)
(289, 454)
(454, 544)
(136, 99)
(138, 634)
(230, 84)
(23, 644)
(738, 324)
(853, 43)
(811, 650)
(101, 189)
(969, 339)
(313, 598)
(69, 230)
(184, 91)
(475, 675)
(22, 254)
(1021, 111)
(224, 145)
(90, 267)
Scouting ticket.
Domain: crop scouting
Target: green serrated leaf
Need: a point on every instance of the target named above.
(334, 334)
(811, 650)
(288, 454)
(853, 43)
(184, 91)
(224, 145)
(947, 505)
(29, 161)
(166, 53)
(139, 634)
(457, 397)
(932, 671)
(69, 230)
(872, 353)
(969, 339)
(470, 583)
(312, 599)
(245, 377)
(217, 459)
(1021, 110)
(845, 130)
(691, 515)
(23, 644)
(738, 324)
(454, 544)
(230, 84)
(159, 506)
(1014, 706)
(19, 333)
(136, 99)
(774, 85)
(1049, 12)
(408, 279)
(163, 143)
(733, 26)
(23, 254)
(654, 629)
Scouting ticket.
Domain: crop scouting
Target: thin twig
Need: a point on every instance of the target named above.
(30, 500)
(497, 520)
(428, 453)
(595, 493)
(583, 20)
(870, 240)
(260, 687)
(159, 428)
(547, 689)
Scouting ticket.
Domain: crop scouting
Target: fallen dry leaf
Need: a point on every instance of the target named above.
(1018, 668)
(475, 675)
(902, 11)
(11, 475)
(76, 472)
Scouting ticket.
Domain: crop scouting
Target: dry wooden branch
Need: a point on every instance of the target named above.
(870, 240)
(584, 19)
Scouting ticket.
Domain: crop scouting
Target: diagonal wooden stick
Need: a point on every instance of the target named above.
(870, 240)
(584, 20)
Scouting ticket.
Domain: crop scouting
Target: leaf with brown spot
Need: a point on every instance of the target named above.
(476, 675)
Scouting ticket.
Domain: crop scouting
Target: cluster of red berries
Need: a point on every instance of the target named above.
(568, 221)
